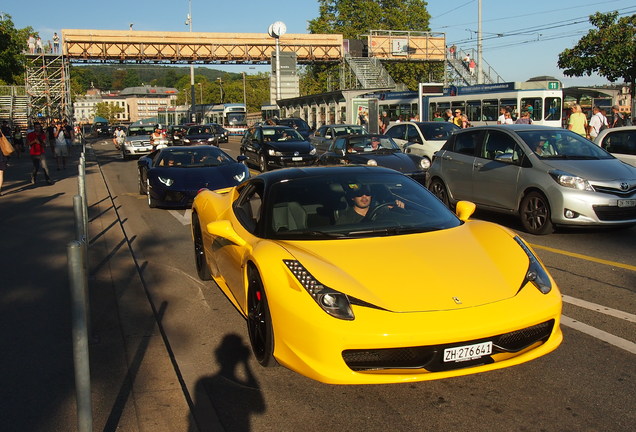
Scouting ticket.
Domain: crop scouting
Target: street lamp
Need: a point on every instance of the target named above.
(188, 22)
(276, 30)
(221, 86)
(244, 94)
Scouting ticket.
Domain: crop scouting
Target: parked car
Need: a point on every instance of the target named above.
(171, 177)
(421, 138)
(374, 150)
(137, 141)
(200, 134)
(297, 123)
(621, 142)
(406, 294)
(547, 176)
(276, 147)
(325, 135)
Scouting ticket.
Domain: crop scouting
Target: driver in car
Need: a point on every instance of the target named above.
(360, 205)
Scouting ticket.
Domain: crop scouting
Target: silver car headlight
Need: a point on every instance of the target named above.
(167, 181)
(331, 301)
(372, 162)
(536, 274)
(273, 152)
(571, 181)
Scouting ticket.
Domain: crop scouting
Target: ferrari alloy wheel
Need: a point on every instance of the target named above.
(203, 271)
(535, 214)
(259, 324)
(439, 190)
(152, 203)
(262, 163)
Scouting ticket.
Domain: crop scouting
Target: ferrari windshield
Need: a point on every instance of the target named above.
(354, 204)
(193, 157)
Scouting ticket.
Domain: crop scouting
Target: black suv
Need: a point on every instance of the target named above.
(276, 147)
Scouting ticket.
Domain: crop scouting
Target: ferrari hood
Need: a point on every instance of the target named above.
(471, 265)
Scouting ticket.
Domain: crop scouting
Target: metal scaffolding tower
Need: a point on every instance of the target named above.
(48, 86)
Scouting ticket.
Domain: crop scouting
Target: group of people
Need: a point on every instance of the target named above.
(36, 46)
(579, 123)
(456, 117)
(58, 136)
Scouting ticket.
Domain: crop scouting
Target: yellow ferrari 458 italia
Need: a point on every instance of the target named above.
(359, 275)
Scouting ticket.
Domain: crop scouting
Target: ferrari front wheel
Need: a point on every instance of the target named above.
(203, 271)
(259, 323)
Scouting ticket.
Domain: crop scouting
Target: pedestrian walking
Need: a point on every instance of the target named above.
(18, 140)
(37, 142)
(61, 147)
(3, 165)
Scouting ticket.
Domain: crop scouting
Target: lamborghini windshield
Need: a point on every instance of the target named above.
(193, 157)
(350, 205)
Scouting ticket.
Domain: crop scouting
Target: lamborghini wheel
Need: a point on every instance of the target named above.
(152, 203)
(203, 271)
(259, 324)
(142, 188)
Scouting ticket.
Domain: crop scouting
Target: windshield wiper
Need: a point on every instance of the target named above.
(393, 231)
(313, 233)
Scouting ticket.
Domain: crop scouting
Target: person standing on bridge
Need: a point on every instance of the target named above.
(56, 43)
(31, 44)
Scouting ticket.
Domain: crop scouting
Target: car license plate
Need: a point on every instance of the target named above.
(627, 203)
(467, 352)
(297, 158)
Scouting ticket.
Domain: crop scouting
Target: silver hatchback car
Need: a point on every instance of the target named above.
(548, 176)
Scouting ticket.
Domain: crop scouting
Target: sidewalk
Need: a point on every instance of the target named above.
(133, 381)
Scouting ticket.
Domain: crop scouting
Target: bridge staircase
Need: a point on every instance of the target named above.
(458, 73)
(365, 73)
(14, 105)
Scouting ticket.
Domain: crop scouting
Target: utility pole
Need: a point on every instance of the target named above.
(480, 71)
(192, 94)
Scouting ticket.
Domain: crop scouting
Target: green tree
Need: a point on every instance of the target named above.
(354, 19)
(609, 50)
(12, 47)
(132, 78)
(108, 110)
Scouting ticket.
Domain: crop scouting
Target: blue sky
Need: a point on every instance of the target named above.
(521, 39)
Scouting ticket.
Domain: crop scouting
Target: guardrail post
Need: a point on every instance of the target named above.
(76, 272)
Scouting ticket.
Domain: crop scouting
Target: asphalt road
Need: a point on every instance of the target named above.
(587, 384)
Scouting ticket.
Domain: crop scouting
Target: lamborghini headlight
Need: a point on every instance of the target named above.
(536, 273)
(165, 180)
(331, 301)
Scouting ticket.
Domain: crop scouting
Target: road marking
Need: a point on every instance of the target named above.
(599, 308)
(586, 257)
(184, 219)
(599, 334)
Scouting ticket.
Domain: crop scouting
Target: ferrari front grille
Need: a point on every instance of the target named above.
(430, 357)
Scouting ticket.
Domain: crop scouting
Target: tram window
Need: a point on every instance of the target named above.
(552, 108)
(473, 110)
(490, 109)
(442, 107)
(432, 109)
(511, 104)
(533, 106)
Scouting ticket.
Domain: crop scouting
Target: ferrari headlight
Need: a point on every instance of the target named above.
(571, 181)
(331, 301)
(273, 152)
(536, 273)
(425, 163)
(372, 162)
(165, 180)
